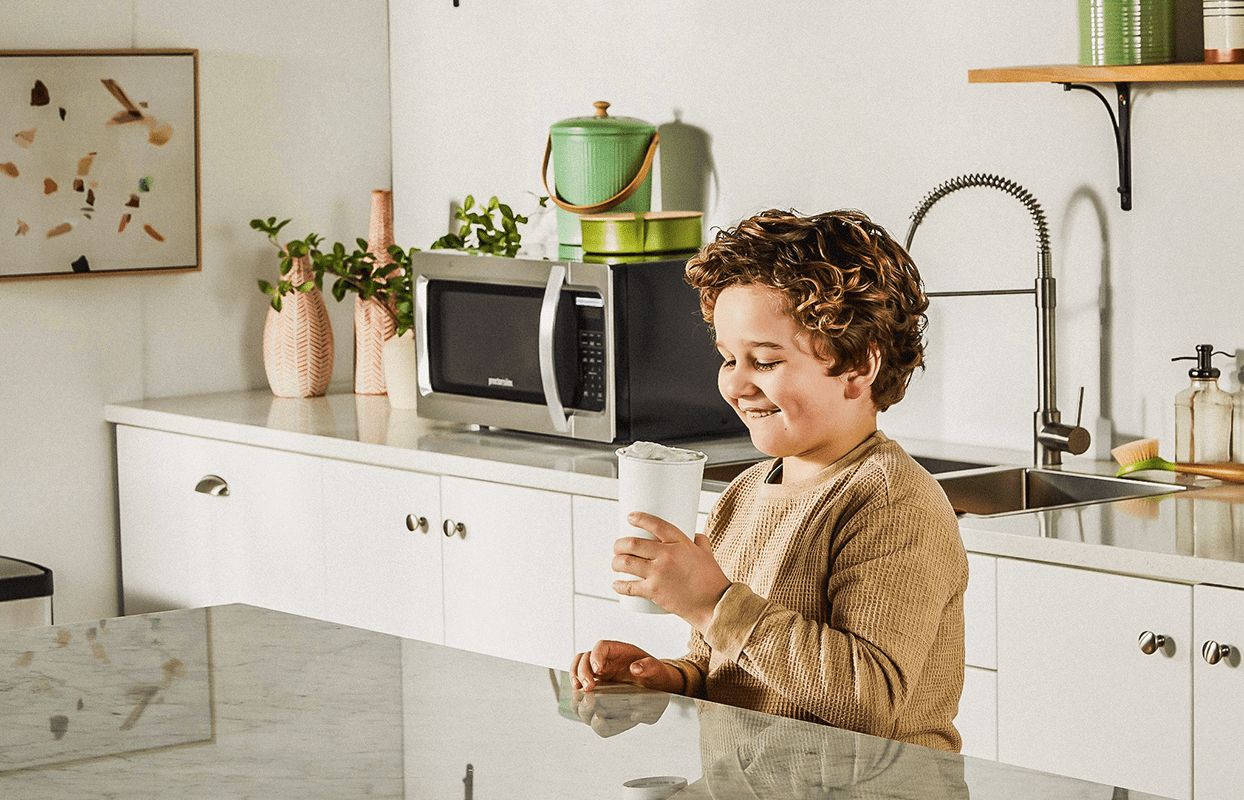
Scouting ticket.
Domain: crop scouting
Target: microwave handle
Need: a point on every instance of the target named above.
(548, 372)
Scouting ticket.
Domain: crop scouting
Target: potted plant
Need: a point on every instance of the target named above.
(298, 344)
(487, 230)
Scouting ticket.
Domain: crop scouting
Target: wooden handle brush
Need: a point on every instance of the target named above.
(1143, 454)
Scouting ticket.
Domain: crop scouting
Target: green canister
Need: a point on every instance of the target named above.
(600, 163)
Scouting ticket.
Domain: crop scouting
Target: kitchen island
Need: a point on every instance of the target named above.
(238, 701)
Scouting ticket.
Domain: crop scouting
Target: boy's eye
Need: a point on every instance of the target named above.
(726, 363)
(766, 365)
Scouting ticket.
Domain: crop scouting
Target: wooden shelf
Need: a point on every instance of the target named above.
(1191, 72)
(1076, 76)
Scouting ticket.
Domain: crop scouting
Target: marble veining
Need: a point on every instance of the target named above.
(300, 708)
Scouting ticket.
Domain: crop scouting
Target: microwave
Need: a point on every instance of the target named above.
(600, 352)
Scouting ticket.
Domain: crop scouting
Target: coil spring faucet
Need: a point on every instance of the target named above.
(1050, 435)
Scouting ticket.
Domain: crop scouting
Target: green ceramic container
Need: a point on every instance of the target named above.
(1114, 32)
(594, 160)
(642, 232)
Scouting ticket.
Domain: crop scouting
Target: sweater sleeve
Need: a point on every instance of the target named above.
(893, 570)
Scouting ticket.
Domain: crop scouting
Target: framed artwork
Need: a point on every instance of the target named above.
(99, 162)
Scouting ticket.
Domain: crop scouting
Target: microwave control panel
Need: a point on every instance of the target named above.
(590, 319)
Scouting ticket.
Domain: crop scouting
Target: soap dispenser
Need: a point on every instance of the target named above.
(1203, 413)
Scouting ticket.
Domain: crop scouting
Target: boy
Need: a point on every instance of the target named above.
(829, 584)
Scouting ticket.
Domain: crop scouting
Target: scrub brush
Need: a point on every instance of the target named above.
(1143, 454)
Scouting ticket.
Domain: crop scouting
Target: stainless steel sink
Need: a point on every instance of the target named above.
(1014, 490)
(989, 490)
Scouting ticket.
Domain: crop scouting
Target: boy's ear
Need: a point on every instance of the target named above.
(858, 381)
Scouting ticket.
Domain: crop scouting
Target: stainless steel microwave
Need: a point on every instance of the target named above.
(603, 352)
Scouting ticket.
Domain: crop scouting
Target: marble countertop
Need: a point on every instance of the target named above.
(237, 701)
(1192, 536)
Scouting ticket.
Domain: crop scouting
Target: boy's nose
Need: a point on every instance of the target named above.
(736, 384)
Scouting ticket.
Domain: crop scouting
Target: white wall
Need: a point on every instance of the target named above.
(294, 122)
(819, 105)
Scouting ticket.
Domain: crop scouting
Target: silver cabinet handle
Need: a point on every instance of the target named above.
(414, 523)
(1151, 642)
(449, 528)
(1213, 652)
(214, 485)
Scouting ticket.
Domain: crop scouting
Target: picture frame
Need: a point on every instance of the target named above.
(99, 163)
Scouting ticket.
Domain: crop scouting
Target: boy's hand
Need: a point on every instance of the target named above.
(677, 573)
(625, 663)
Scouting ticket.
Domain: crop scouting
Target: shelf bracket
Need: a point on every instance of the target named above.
(1122, 125)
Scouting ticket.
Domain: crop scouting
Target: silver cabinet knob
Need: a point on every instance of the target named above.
(1151, 642)
(414, 523)
(1213, 652)
(449, 528)
(214, 485)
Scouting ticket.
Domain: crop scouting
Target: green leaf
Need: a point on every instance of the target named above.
(266, 287)
(276, 302)
(305, 286)
(468, 202)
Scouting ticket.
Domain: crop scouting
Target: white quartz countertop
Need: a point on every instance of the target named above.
(1194, 536)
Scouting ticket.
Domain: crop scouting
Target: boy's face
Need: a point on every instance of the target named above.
(790, 403)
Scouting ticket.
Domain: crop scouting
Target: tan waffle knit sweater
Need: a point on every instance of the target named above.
(846, 605)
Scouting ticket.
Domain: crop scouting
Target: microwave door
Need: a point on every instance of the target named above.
(548, 364)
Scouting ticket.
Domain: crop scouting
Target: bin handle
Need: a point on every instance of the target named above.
(604, 205)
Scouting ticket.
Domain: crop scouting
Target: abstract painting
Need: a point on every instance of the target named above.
(99, 162)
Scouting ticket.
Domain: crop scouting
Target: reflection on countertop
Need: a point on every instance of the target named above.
(272, 705)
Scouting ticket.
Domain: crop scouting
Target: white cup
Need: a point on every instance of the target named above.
(666, 489)
(657, 787)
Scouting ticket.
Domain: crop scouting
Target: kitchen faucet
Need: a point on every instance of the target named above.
(1050, 435)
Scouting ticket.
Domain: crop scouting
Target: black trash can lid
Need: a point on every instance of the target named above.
(21, 580)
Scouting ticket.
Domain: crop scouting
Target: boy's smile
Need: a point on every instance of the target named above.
(793, 407)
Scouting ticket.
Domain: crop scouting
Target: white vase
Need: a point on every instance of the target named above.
(399, 370)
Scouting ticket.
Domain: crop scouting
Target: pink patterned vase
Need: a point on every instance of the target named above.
(373, 325)
(298, 340)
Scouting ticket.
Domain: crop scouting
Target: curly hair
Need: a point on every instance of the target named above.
(842, 278)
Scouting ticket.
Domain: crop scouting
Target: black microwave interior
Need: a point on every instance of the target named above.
(483, 341)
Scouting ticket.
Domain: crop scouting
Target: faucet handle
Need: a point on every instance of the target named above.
(1060, 436)
(1080, 407)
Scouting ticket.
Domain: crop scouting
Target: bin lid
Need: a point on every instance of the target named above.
(20, 580)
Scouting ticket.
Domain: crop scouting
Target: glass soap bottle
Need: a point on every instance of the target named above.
(1203, 413)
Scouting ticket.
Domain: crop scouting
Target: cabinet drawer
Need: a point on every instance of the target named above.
(980, 612)
(662, 635)
(977, 720)
(595, 524)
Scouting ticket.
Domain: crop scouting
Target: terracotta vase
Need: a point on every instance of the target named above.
(373, 325)
(298, 340)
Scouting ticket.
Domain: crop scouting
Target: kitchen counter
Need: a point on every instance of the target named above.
(239, 701)
(1190, 537)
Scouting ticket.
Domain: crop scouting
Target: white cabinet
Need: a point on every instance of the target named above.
(383, 550)
(357, 544)
(977, 721)
(250, 533)
(1218, 691)
(1077, 695)
(507, 571)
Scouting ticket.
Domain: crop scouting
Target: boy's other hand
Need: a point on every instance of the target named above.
(676, 572)
(624, 663)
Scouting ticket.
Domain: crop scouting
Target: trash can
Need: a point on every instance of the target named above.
(25, 595)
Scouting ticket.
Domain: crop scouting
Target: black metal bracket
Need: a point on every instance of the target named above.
(1122, 125)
